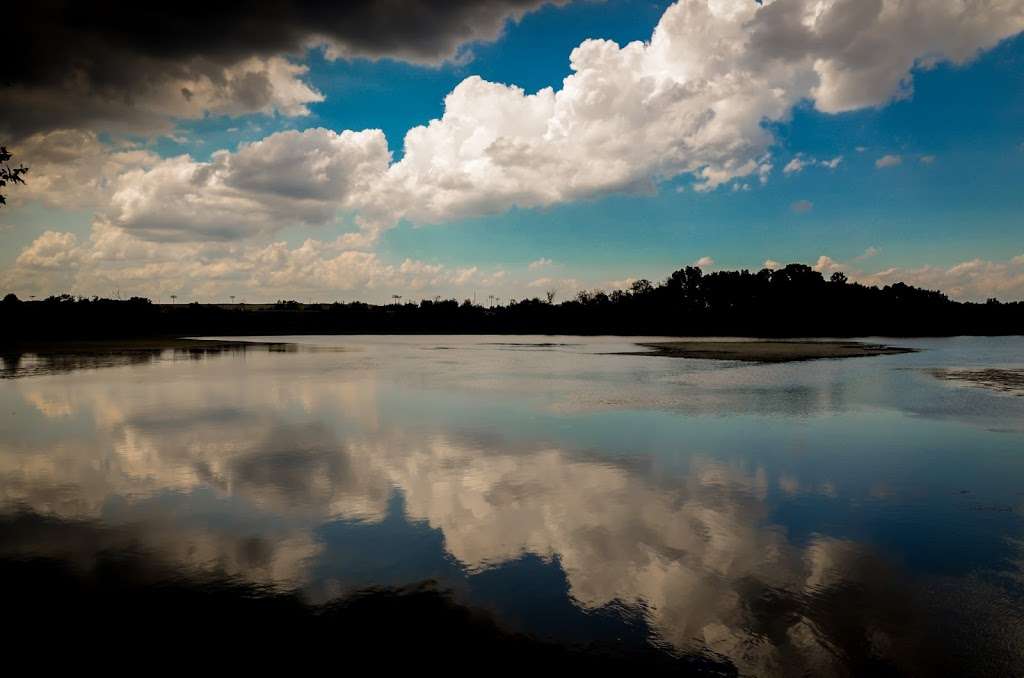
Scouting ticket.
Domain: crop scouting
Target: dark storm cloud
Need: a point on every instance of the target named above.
(102, 65)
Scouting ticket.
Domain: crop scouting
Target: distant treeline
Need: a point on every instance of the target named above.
(787, 302)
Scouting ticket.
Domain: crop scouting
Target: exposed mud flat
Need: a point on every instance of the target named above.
(770, 351)
(1008, 380)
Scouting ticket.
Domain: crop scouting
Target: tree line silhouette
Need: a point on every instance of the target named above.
(794, 301)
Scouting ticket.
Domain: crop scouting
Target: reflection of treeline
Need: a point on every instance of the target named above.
(41, 358)
(791, 301)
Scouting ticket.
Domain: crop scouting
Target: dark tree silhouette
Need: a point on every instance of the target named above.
(794, 301)
(8, 174)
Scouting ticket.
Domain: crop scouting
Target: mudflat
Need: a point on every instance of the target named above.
(768, 351)
(1005, 380)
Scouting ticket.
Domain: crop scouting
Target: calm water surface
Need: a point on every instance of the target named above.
(826, 518)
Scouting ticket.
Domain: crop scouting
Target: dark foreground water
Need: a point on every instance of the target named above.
(499, 503)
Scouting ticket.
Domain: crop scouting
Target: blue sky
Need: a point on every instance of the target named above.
(955, 195)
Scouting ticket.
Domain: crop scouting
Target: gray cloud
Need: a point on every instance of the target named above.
(98, 65)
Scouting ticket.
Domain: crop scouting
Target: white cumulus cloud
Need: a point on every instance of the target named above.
(73, 169)
(51, 250)
(798, 163)
(973, 280)
(112, 259)
(692, 100)
(794, 166)
(888, 160)
(286, 178)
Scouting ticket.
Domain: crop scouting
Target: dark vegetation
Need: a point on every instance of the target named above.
(8, 174)
(793, 301)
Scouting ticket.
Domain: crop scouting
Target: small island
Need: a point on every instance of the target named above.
(764, 351)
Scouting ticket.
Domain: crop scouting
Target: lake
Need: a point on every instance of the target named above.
(550, 497)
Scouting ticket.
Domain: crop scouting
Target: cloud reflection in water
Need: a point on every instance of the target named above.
(241, 473)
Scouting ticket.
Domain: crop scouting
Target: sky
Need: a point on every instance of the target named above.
(503, 149)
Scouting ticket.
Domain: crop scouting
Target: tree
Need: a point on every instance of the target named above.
(8, 174)
(551, 295)
(641, 287)
(839, 278)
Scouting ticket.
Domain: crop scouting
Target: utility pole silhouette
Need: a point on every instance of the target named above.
(397, 298)
(174, 298)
